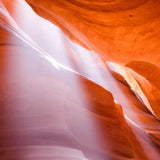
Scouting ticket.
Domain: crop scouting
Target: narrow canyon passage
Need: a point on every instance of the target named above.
(60, 101)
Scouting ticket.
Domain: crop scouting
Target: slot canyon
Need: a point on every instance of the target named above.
(79, 80)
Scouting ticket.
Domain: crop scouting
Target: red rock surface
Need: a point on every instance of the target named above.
(59, 101)
(124, 32)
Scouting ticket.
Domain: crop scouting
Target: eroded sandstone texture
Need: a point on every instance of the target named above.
(59, 101)
(124, 32)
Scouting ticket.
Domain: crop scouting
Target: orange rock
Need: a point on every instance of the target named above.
(50, 113)
(122, 32)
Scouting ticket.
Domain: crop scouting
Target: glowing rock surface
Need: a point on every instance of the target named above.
(121, 31)
(56, 97)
